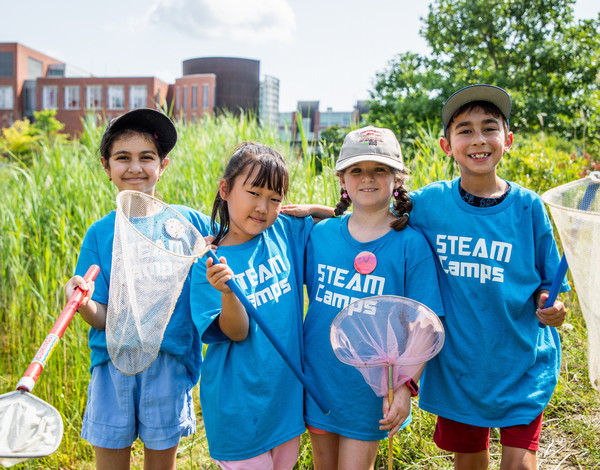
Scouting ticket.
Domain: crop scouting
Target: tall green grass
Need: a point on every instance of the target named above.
(49, 200)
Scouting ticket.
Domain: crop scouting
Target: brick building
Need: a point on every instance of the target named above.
(31, 81)
(20, 67)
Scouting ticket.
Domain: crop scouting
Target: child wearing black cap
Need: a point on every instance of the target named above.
(155, 404)
(496, 258)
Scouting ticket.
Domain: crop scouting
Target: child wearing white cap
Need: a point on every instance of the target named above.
(371, 173)
(496, 258)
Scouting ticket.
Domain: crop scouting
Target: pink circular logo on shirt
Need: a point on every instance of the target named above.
(365, 262)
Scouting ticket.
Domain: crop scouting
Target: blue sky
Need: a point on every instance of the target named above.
(322, 50)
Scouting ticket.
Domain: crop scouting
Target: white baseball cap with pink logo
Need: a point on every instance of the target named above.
(372, 144)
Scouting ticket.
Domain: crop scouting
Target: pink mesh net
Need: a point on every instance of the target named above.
(374, 333)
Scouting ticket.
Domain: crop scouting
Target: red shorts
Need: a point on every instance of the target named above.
(316, 430)
(453, 436)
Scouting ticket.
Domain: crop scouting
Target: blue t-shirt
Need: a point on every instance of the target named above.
(497, 367)
(405, 267)
(180, 338)
(251, 400)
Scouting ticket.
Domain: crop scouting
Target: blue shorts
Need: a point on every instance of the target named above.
(155, 405)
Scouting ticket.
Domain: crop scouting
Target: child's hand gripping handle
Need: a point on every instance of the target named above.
(252, 312)
(558, 280)
(38, 363)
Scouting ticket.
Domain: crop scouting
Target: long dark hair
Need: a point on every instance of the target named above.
(402, 205)
(272, 172)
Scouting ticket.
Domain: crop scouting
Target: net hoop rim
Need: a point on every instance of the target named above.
(54, 412)
(128, 192)
(430, 315)
(593, 177)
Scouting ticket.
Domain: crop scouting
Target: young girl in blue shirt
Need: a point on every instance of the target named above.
(371, 173)
(252, 404)
(155, 404)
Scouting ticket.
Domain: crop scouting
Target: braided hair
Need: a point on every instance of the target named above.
(402, 205)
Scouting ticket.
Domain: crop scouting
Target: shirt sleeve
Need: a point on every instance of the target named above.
(90, 254)
(205, 304)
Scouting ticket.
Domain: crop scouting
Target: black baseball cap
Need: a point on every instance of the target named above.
(480, 92)
(149, 120)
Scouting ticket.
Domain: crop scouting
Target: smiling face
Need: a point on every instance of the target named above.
(369, 184)
(477, 140)
(252, 209)
(134, 163)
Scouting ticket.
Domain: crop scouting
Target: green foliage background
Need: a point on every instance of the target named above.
(52, 194)
(548, 61)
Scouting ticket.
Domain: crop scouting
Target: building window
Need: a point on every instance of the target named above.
(71, 97)
(194, 96)
(6, 64)
(177, 98)
(50, 97)
(115, 97)
(56, 70)
(7, 97)
(205, 96)
(137, 96)
(35, 69)
(93, 97)
(184, 101)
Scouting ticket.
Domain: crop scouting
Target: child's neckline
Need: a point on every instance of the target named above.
(241, 244)
(381, 235)
(478, 201)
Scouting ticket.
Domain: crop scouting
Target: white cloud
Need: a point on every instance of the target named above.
(249, 21)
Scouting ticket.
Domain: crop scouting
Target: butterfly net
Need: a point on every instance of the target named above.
(575, 209)
(374, 333)
(29, 428)
(153, 250)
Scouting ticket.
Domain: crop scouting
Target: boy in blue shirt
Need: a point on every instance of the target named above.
(497, 258)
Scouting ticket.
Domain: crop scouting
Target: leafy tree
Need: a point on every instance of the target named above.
(46, 122)
(331, 140)
(17, 140)
(407, 93)
(23, 137)
(535, 50)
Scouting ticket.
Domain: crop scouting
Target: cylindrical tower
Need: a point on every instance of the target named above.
(238, 81)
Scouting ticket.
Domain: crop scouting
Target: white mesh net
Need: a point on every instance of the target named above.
(153, 250)
(29, 428)
(575, 209)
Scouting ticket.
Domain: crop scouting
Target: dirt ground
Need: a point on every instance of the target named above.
(561, 450)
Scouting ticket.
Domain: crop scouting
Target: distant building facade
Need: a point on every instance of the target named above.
(268, 101)
(20, 67)
(193, 96)
(31, 81)
(238, 81)
(314, 121)
(107, 97)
